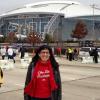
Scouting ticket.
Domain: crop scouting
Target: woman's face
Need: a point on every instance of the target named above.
(44, 55)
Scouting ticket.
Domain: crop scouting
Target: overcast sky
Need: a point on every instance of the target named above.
(6, 5)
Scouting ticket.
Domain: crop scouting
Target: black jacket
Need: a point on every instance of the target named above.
(57, 94)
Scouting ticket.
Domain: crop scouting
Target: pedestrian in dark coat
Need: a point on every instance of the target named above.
(95, 55)
(43, 80)
(22, 51)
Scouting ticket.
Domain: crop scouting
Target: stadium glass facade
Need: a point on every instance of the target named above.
(26, 23)
(92, 26)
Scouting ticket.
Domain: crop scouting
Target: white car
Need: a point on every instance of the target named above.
(84, 51)
(98, 51)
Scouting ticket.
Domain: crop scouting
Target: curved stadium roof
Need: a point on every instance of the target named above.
(66, 8)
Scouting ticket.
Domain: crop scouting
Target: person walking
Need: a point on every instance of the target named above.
(70, 53)
(22, 51)
(3, 52)
(43, 81)
(10, 53)
(67, 54)
(95, 55)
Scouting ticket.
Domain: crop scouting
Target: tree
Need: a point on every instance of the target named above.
(33, 37)
(11, 38)
(48, 38)
(80, 30)
(1, 39)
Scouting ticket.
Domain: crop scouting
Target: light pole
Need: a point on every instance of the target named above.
(93, 6)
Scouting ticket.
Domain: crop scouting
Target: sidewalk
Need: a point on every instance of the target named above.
(63, 61)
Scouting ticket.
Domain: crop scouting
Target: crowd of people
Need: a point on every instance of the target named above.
(7, 52)
(74, 53)
(10, 53)
(70, 53)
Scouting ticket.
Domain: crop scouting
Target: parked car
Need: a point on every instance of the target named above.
(85, 51)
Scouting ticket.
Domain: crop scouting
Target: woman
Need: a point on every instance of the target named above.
(43, 78)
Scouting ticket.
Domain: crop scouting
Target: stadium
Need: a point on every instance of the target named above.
(58, 18)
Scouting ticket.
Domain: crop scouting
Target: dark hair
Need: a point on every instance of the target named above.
(52, 59)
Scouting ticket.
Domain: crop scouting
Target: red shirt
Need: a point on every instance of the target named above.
(42, 88)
